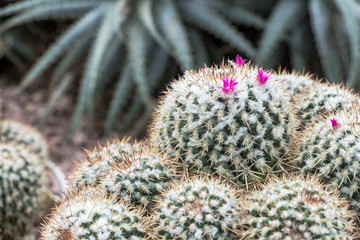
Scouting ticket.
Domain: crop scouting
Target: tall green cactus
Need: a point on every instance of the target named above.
(235, 120)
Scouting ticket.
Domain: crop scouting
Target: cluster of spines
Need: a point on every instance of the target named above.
(296, 208)
(330, 149)
(232, 120)
(198, 208)
(87, 213)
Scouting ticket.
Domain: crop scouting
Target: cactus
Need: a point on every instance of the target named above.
(87, 213)
(295, 83)
(233, 120)
(89, 171)
(296, 208)
(330, 148)
(136, 173)
(21, 134)
(323, 98)
(22, 190)
(198, 208)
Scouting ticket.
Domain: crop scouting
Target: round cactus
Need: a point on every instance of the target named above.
(22, 190)
(21, 134)
(330, 148)
(136, 173)
(198, 208)
(97, 164)
(88, 213)
(323, 98)
(296, 83)
(296, 208)
(234, 120)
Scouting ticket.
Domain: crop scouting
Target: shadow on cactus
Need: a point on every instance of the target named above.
(127, 34)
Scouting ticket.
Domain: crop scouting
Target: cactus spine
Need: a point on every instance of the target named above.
(232, 120)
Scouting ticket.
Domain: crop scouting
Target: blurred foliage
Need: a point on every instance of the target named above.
(130, 46)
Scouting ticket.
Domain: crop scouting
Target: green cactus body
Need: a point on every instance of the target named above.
(330, 148)
(21, 134)
(22, 190)
(296, 208)
(243, 135)
(136, 172)
(323, 98)
(198, 208)
(89, 214)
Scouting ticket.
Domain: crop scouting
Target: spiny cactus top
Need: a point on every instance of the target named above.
(296, 208)
(88, 214)
(233, 119)
(295, 82)
(198, 208)
(89, 171)
(21, 190)
(136, 173)
(21, 134)
(330, 148)
(322, 98)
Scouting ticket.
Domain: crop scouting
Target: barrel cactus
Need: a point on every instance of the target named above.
(136, 172)
(22, 190)
(198, 208)
(330, 148)
(296, 208)
(235, 120)
(86, 213)
(17, 133)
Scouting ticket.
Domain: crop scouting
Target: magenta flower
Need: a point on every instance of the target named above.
(335, 124)
(263, 76)
(240, 61)
(228, 86)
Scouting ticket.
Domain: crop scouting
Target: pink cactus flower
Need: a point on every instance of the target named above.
(240, 61)
(228, 86)
(263, 76)
(335, 124)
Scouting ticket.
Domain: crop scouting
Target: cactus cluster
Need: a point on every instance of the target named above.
(330, 148)
(88, 214)
(220, 136)
(296, 208)
(234, 120)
